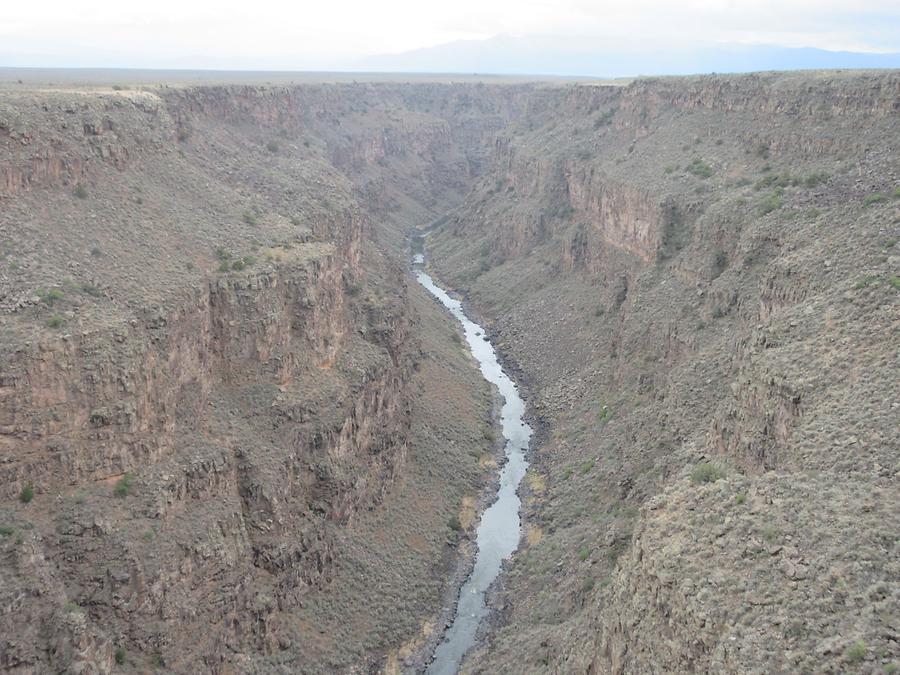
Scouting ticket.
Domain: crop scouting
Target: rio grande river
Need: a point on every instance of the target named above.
(499, 531)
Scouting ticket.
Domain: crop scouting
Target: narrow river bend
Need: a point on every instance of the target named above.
(500, 530)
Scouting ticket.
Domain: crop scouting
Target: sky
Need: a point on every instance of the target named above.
(339, 34)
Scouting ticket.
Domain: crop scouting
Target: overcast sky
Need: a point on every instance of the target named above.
(335, 34)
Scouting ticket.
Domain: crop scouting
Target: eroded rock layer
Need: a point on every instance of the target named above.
(698, 280)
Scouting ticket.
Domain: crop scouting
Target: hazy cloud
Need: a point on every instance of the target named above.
(322, 35)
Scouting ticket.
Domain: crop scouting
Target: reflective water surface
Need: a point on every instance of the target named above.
(499, 532)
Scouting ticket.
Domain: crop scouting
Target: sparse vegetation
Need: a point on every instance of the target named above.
(866, 281)
(603, 414)
(55, 321)
(707, 472)
(50, 297)
(605, 118)
(855, 652)
(7, 530)
(770, 533)
(272, 147)
(699, 168)
(770, 203)
(815, 178)
(124, 485)
(26, 494)
(875, 198)
(249, 218)
(120, 656)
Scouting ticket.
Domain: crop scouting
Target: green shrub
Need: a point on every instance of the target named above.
(223, 254)
(770, 533)
(7, 530)
(707, 472)
(605, 118)
(770, 203)
(55, 321)
(120, 656)
(876, 198)
(895, 282)
(896, 194)
(123, 485)
(27, 494)
(584, 553)
(249, 218)
(50, 297)
(238, 265)
(71, 607)
(96, 252)
(815, 178)
(80, 192)
(603, 414)
(272, 147)
(454, 524)
(866, 281)
(855, 652)
(740, 498)
(699, 168)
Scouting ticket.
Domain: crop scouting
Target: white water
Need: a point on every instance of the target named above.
(500, 529)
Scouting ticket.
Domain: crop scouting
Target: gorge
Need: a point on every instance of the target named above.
(237, 436)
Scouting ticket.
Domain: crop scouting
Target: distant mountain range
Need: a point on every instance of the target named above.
(596, 57)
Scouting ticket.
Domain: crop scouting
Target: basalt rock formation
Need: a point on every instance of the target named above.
(235, 438)
(698, 281)
(209, 372)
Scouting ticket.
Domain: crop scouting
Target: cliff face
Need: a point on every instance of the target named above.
(233, 437)
(207, 378)
(691, 275)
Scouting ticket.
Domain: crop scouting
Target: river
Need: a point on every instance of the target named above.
(500, 529)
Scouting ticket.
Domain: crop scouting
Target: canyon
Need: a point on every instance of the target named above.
(237, 436)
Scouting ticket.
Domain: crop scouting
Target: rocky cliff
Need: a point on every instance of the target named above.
(233, 438)
(697, 279)
(208, 368)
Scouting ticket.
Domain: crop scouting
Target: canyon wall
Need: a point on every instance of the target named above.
(696, 279)
(208, 367)
(234, 438)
